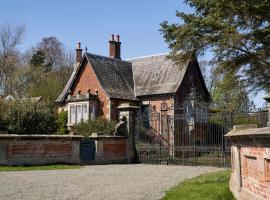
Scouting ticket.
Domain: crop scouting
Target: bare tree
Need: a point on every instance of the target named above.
(56, 56)
(210, 74)
(10, 38)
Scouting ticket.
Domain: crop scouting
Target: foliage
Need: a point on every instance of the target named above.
(3, 109)
(205, 187)
(229, 95)
(43, 167)
(37, 59)
(10, 57)
(100, 126)
(48, 85)
(62, 120)
(41, 71)
(26, 117)
(237, 32)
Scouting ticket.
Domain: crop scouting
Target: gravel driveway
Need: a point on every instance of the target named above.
(113, 182)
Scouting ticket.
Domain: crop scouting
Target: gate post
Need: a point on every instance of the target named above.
(129, 111)
(267, 99)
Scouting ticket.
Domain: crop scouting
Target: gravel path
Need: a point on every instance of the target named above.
(114, 182)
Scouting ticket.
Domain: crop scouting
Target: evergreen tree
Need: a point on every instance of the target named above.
(237, 32)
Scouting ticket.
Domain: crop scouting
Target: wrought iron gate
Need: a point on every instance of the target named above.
(185, 138)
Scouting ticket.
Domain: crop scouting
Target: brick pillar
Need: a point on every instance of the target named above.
(268, 106)
(129, 111)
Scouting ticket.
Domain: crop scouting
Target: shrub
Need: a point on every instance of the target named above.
(61, 122)
(100, 126)
(26, 117)
(3, 109)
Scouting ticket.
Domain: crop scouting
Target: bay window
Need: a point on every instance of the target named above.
(81, 111)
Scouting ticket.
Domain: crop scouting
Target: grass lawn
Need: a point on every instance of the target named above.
(43, 167)
(213, 186)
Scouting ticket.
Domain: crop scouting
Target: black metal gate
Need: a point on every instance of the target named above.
(87, 150)
(187, 138)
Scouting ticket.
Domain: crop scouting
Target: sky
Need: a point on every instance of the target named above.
(91, 22)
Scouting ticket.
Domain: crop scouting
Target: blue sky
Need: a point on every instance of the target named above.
(92, 21)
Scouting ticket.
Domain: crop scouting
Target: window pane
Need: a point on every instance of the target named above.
(72, 114)
(79, 113)
(85, 112)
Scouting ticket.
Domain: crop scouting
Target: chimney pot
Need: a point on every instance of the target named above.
(115, 47)
(78, 54)
(78, 45)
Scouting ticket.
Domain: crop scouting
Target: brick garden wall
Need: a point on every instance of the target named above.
(51, 149)
(250, 178)
(39, 150)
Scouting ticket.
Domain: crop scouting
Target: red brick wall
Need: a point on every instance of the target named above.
(255, 168)
(33, 149)
(87, 80)
(115, 148)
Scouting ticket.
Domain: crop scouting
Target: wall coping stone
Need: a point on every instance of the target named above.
(107, 137)
(39, 137)
(249, 132)
(56, 137)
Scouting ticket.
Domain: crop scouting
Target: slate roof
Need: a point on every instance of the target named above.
(156, 75)
(137, 77)
(115, 77)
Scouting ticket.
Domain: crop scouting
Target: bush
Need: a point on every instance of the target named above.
(100, 126)
(26, 117)
(61, 122)
(3, 109)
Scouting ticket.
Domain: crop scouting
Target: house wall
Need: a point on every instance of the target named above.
(87, 80)
(156, 121)
(191, 79)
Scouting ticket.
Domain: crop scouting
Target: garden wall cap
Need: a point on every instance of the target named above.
(250, 132)
(37, 137)
(128, 106)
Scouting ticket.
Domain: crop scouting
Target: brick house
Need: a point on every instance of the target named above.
(99, 84)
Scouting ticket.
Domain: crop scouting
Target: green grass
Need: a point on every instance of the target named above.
(214, 186)
(42, 167)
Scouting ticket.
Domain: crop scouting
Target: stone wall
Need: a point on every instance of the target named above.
(250, 177)
(51, 149)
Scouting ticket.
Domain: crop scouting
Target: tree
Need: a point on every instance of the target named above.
(50, 68)
(210, 75)
(10, 57)
(38, 59)
(230, 95)
(55, 55)
(237, 32)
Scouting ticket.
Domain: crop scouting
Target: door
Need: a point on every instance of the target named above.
(87, 150)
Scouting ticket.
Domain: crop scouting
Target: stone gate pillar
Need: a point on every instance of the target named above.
(129, 111)
(268, 107)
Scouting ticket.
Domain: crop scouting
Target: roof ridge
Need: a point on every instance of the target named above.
(148, 56)
(106, 57)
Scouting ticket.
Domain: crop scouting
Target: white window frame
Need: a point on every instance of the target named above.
(88, 110)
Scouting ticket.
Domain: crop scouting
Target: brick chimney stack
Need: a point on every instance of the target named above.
(78, 53)
(78, 56)
(115, 47)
